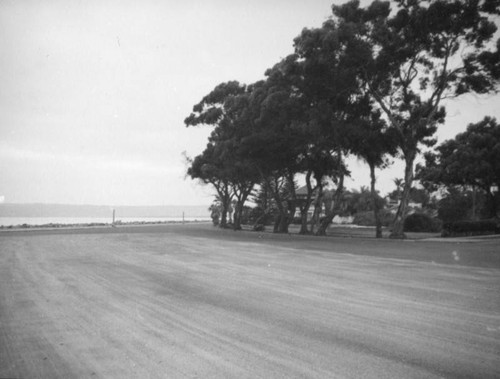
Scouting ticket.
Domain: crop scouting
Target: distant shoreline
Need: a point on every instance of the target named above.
(25, 227)
(101, 211)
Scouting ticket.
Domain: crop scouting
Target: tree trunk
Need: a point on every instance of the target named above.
(277, 222)
(376, 210)
(303, 220)
(304, 208)
(398, 225)
(281, 223)
(323, 225)
(330, 215)
(317, 209)
(238, 210)
(333, 209)
(226, 205)
(223, 217)
(241, 197)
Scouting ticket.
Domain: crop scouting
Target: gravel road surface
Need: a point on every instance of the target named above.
(191, 301)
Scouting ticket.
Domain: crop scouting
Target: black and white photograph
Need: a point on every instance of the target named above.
(249, 189)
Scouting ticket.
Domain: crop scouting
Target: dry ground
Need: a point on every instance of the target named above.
(191, 301)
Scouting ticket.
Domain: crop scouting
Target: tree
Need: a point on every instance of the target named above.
(276, 141)
(230, 172)
(334, 106)
(420, 196)
(209, 169)
(409, 60)
(317, 164)
(374, 142)
(265, 206)
(472, 159)
(455, 205)
(361, 201)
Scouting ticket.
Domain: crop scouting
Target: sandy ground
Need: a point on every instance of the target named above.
(195, 302)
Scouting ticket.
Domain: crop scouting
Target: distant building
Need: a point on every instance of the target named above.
(393, 205)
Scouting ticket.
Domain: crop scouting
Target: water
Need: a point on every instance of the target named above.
(33, 221)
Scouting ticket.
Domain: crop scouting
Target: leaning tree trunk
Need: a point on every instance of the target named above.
(398, 225)
(325, 223)
(376, 210)
(281, 222)
(241, 196)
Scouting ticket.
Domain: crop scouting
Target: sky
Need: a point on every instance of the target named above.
(93, 94)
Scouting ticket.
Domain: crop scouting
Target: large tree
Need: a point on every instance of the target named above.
(276, 139)
(300, 120)
(413, 57)
(209, 168)
(333, 97)
(374, 143)
(472, 159)
(224, 108)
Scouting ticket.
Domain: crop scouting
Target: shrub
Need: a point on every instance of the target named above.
(259, 227)
(420, 222)
(454, 206)
(368, 218)
(470, 228)
(215, 220)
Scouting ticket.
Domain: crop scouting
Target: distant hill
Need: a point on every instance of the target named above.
(68, 210)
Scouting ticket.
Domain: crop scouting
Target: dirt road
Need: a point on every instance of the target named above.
(192, 302)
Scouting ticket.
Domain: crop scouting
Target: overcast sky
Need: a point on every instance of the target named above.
(93, 94)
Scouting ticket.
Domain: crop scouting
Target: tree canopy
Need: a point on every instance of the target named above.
(472, 159)
(410, 58)
(368, 82)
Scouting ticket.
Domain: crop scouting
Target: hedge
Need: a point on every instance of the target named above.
(421, 222)
(368, 218)
(470, 228)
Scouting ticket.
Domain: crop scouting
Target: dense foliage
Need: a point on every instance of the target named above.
(421, 222)
(470, 159)
(369, 82)
(470, 228)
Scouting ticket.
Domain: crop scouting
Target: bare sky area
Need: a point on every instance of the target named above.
(93, 94)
